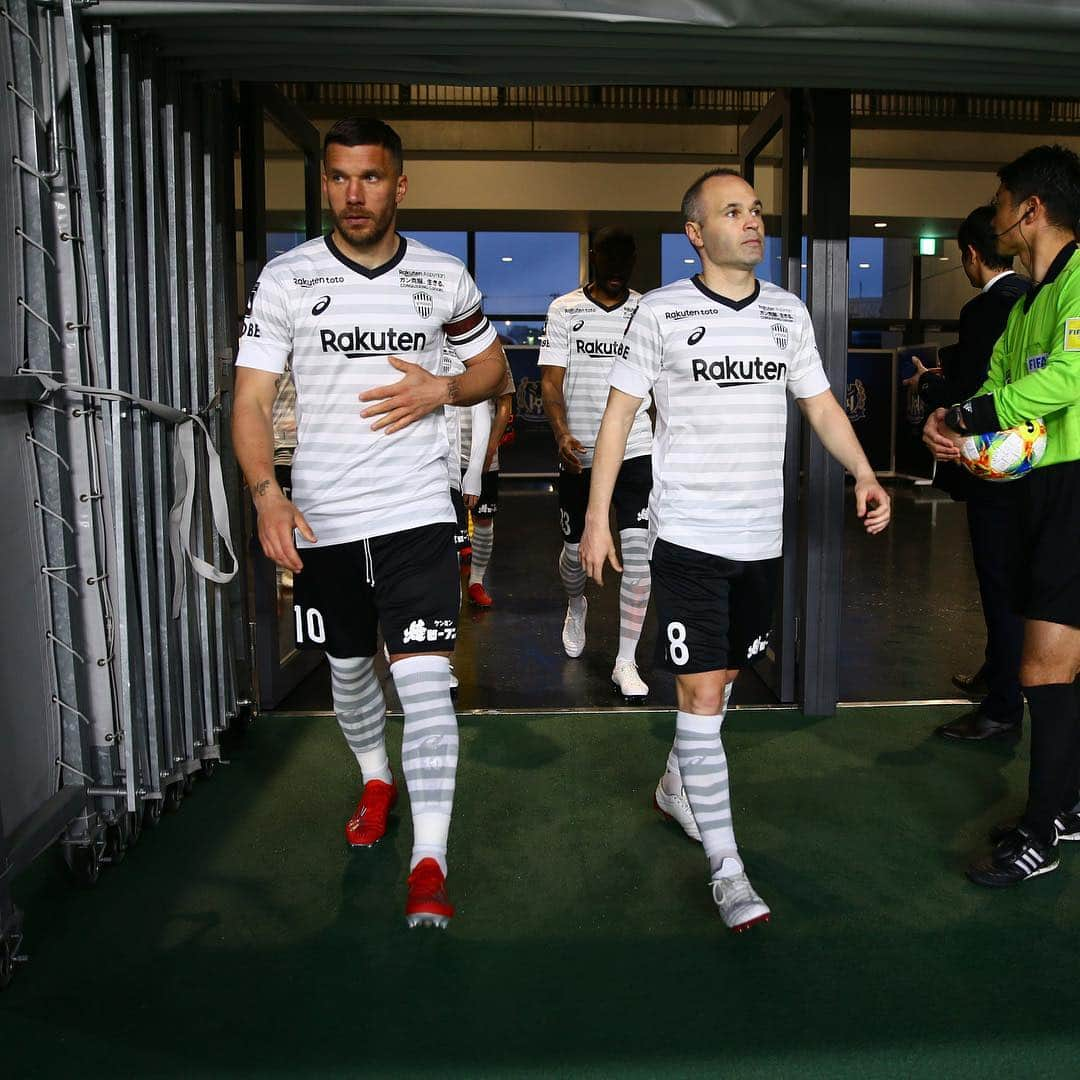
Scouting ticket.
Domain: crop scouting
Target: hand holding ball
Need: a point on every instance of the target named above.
(1005, 455)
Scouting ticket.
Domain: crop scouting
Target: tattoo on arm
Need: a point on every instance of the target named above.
(453, 391)
(261, 488)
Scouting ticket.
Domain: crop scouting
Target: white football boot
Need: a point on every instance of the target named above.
(627, 680)
(676, 808)
(739, 906)
(573, 630)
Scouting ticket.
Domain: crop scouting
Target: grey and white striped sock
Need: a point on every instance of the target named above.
(429, 751)
(704, 770)
(483, 540)
(633, 591)
(361, 712)
(572, 574)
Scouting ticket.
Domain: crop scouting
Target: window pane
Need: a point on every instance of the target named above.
(452, 243)
(277, 243)
(678, 259)
(879, 277)
(945, 287)
(517, 332)
(521, 273)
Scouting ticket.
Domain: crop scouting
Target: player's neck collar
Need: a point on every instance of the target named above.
(377, 271)
(603, 307)
(1061, 260)
(735, 305)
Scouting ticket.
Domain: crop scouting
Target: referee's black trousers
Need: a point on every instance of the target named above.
(991, 515)
(1054, 776)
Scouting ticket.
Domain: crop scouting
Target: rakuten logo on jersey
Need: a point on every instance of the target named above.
(357, 343)
(728, 372)
(601, 348)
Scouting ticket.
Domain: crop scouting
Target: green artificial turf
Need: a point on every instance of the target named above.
(243, 937)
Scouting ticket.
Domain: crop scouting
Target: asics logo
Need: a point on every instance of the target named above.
(320, 305)
(696, 336)
(363, 811)
(578, 325)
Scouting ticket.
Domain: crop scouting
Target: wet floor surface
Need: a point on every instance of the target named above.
(911, 616)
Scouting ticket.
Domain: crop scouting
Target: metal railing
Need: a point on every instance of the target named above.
(718, 103)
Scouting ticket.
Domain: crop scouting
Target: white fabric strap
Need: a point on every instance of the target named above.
(185, 479)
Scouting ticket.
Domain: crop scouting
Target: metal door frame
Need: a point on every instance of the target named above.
(276, 675)
(782, 116)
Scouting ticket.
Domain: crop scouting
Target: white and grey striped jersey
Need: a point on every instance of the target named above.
(508, 387)
(464, 475)
(718, 370)
(340, 322)
(585, 338)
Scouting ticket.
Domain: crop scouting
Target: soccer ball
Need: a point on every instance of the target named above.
(1005, 455)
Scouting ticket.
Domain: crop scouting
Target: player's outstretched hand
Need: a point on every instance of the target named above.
(942, 441)
(406, 401)
(277, 519)
(597, 548)
(872, 505)
(569, 451)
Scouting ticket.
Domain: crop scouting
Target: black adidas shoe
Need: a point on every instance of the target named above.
(1066, 825)
(1017, 856)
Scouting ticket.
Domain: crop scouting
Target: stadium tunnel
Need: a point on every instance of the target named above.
(158, 151)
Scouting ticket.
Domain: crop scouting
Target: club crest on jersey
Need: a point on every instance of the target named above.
(423, 303)
(696, 336)
(320, 305)
(780, 335)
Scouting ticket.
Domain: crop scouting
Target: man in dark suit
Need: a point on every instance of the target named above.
(990, 506)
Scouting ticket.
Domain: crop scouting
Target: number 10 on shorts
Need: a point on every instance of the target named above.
(312, 622)
(677, 647)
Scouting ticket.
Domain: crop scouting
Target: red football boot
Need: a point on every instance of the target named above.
(478, 595)
(368, 825)
(427, 903)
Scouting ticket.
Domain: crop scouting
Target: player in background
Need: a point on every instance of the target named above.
(583, 336)
(369, 532)
(1035, 372)
(719, 352)
(465, 485)
(487, 506)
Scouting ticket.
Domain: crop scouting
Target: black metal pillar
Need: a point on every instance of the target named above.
(783, 116)
(828, 115)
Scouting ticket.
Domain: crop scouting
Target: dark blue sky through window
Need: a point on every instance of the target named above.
(520, 273)
(452, 243)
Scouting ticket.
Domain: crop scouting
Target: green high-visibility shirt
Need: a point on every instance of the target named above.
(1035, 367)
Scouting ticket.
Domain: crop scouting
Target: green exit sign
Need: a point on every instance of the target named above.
(927, 245)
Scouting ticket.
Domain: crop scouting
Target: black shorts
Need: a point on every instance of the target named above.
(488, 506)
(405, 582)
(713, 613)
(630, 498)
(1047, 536)
(461, 529)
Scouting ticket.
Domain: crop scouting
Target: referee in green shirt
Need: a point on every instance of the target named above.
(1035, 372)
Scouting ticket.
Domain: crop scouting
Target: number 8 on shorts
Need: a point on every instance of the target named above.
(677, 647)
